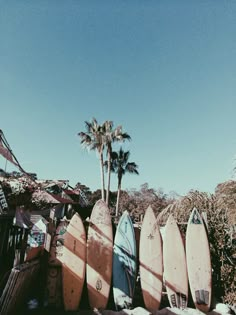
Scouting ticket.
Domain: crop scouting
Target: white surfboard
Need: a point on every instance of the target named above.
(175, 267)
(151, 261)
(198, 262)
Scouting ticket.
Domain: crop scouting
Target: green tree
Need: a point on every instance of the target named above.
(112, 135)
(120, 165)
(93, 139)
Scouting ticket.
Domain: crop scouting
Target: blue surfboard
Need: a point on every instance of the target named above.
(124, 263)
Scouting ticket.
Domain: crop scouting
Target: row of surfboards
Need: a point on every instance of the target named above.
(105, 263)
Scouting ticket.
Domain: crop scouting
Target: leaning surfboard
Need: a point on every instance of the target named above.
(175, 267)
(99, 256)
(54, 278)
(198, 262)
(74, 259)
(124, 263)
(151, 261)
(56, 249)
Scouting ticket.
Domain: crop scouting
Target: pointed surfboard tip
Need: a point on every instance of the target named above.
(195, 217)
(100, 202)
(170, 218)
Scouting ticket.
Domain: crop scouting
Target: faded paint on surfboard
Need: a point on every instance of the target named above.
(99, 256)
(175, 267)
(151, 261)
(54, 277)
(124, 263)
(198, 262)
(74, 260)
(56, 249)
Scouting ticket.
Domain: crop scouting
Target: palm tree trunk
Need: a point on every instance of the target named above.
(108, 177)
(118, 197)
(102, 176)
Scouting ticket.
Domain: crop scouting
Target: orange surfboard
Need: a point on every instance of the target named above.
(151, 262)
(198, 262)
(99, 256)
(175, 267)
(74, 261)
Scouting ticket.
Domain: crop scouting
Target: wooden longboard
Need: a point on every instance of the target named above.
(34, 252)
(54, 278)
(56, 249)
(151, 261)
(175, 267)
(124, 263)
(198, 262)
(99, 256)
(74, 260)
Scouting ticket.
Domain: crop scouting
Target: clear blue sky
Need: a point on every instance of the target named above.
(163, 69)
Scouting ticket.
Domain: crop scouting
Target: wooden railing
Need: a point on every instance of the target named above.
(13, 242)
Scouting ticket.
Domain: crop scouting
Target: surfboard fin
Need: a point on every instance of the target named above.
(202, 297)
(179, 300)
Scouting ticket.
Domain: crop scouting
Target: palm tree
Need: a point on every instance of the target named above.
(93, 139)
(121, 165)
(111, 136)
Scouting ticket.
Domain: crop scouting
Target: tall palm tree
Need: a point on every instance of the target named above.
(112, 135)
(93, 139)
(121, 165)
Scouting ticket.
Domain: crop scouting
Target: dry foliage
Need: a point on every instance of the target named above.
(221, 238)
